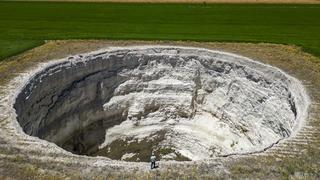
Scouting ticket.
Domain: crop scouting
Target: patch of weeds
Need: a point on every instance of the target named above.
(142, 149)
(164, 151)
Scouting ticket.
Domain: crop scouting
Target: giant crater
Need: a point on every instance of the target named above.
(182, 103)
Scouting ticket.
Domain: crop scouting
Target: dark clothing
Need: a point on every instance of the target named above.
(153, 165)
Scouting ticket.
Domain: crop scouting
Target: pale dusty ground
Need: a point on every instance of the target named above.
(201, 1)
(299, 154)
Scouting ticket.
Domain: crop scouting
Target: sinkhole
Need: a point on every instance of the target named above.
(181, 103)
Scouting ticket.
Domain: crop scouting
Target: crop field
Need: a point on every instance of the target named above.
(24, 25)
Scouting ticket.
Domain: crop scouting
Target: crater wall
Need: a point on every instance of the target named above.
(182, 103)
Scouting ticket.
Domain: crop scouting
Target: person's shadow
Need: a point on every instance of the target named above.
(155, 166)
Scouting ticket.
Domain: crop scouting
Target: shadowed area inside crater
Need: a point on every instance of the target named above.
(181, 103)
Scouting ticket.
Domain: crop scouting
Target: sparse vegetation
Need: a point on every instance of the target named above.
(303, 166)
(141, 149)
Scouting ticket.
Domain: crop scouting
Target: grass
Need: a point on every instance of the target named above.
(12, 47)
(305, 166)
(142, 149)
(27, 24)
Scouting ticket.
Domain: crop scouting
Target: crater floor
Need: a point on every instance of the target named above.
(182, 103)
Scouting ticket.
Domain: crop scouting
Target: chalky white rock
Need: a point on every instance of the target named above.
(204, 103)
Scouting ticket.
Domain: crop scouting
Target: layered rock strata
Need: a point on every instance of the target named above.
(182, 103)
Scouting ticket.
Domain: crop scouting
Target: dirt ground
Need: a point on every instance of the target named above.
(202, 1)
(295, 158)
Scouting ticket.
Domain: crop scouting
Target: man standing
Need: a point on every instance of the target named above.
(153, 160)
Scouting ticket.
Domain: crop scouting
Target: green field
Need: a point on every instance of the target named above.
(24, 25)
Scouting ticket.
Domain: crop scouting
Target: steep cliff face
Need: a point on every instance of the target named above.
(182, 103)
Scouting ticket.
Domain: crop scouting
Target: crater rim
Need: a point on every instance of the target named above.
(31, 74)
